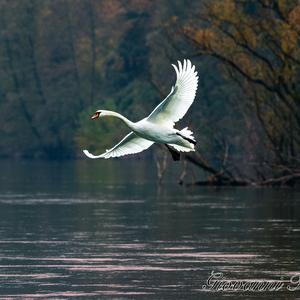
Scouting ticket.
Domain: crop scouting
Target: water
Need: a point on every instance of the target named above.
(103, 230)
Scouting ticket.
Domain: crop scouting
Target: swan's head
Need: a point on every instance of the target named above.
(96, 115)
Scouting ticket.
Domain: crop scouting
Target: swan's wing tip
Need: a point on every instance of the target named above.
(87, 153)
(90, 155)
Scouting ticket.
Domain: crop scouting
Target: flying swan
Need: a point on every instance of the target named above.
(158, 127)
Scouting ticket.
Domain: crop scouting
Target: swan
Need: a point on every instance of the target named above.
(158, 127)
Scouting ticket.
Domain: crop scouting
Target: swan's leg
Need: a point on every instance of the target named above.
(175, 154)
(186, 138)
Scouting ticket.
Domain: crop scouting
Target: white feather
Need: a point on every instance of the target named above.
(130, 144)
(158, 126)
(182, 148)
(181, 97)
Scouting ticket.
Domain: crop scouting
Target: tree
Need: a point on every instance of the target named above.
(257, 44)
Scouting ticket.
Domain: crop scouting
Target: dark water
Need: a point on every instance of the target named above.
(103, 230)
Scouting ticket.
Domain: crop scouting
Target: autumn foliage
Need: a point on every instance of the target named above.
(257, 44)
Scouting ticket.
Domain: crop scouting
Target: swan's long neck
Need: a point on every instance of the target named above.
(119, 116)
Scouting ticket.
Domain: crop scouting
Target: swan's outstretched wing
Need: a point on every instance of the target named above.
(130, 144)
(182, 95)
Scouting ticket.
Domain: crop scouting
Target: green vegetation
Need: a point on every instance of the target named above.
(62, 59)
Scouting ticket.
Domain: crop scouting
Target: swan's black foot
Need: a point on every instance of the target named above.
(186, 138)
(175, 154)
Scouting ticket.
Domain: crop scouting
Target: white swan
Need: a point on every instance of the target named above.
(158, 127)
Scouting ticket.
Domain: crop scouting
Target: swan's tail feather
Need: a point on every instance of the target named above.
(188, 135)
(182, 148)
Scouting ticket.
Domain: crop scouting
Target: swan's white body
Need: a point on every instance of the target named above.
(158, 127)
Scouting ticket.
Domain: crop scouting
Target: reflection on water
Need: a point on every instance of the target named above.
(103, 230)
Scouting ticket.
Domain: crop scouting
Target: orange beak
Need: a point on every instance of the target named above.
(95, 115)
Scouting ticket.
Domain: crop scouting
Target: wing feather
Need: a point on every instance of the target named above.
(130, 144)
(181, 97)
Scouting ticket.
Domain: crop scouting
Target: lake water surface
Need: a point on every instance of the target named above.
(104, 230)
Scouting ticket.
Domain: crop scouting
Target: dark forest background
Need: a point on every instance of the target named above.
(60, 60)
